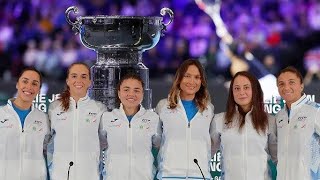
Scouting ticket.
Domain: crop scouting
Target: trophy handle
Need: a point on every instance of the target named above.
(165, 11)
(75, 25)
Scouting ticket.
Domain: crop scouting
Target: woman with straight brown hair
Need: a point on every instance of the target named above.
(75, 120)
(245, 133)
(186, 116)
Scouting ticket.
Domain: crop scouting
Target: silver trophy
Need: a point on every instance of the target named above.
(119, 42)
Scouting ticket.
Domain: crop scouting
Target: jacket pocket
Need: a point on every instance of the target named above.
(142, 167)
(175, 157)
(117, 166)
(257, 167)
(87, 166)
(304, 169)
(34, 169)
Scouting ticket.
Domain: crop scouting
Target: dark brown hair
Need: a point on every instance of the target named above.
(31, 69)
(125, 77)
(202, 97)
(292, 70)
(65, 95)
(259, 116)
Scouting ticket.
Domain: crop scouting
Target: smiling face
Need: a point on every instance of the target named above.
(78, 81)
(190, 83)
(290, 87)
(28, 87)
(130, 93)
(242, 92)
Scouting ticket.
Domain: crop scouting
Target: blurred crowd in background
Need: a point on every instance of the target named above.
(278, 32)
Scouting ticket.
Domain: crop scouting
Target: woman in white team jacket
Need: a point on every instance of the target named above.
(245, 133)
(186, 117)
(298, 127)
(130, 132)
(23, 132)
(75, 148)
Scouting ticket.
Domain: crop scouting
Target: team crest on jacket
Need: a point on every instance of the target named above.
(37, 129)
(92, 120)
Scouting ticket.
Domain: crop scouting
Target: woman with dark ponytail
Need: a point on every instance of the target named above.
(24, 131)
(75, 120)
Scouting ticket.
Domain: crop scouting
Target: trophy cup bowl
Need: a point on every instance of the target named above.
(119, 42)
(119, 32)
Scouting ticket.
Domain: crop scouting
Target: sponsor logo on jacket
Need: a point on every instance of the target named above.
(3, 121)
(60, 113)
(37, 122)
(10, 126)
(145, 124)
(5, 124)
(301, 122)
(281, 123)
(62, 119)
(92, 113)
(115, 123)
(91, 117)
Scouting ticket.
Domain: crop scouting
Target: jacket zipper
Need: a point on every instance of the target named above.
(130, 149)
(287, 144)
(22, 144)
(75, 140)
(22, 147)
(245, 152)
(188, 148)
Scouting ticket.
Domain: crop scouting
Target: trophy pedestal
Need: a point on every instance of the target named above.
(107, 73)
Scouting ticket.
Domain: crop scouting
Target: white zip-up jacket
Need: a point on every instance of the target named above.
(129, 155)
(75, 139)
(245, 153)
(184, 141)
(21, 148)
(298, 140)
